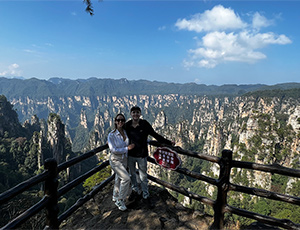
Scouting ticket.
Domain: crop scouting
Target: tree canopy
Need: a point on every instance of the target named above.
(89, 7)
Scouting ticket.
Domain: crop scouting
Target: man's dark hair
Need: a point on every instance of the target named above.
(135, 108)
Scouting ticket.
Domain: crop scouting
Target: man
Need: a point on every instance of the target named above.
(138, 130)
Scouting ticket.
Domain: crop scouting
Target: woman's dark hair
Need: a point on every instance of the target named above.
(119, 114)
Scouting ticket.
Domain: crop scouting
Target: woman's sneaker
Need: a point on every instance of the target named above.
(114, 199)
(121, 205)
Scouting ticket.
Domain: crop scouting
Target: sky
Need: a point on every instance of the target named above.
(204, 42)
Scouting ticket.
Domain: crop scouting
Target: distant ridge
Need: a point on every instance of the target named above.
(60, 87)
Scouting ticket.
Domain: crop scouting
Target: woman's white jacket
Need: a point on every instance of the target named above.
(116, 143)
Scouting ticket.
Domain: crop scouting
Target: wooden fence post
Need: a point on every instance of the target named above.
(51, 185)
(223, 186)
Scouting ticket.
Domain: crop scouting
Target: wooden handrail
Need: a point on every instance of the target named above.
(81, 178)
(83, 200)
(219, 205)
(223, 184)
(275, 168)
(265, 193)
(25, 185)
(80, 158)
(49, 201)
(183, 191)
(179, 150)
(223, 188)
(18, 189)
(51, 185)
(189, 173)
(27, 214)
(284, 223)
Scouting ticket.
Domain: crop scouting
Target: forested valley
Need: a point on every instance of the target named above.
(258, 123)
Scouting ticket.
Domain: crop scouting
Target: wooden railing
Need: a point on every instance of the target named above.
(220, 205)
(50, 200)
(223, 184)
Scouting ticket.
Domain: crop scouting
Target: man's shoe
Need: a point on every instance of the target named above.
(121, 205)
(133, 196)
(149, 202)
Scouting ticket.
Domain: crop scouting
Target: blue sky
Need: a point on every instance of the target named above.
(206, 42)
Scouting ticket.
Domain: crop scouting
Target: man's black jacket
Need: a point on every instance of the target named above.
(139, 137)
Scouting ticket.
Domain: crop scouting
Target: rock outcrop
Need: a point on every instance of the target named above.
(101, 213)
(56, 138)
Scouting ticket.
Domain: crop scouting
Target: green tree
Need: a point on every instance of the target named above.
(97, 178)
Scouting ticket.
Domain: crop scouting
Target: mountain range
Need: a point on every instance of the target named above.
(60, 87)
(259, 123)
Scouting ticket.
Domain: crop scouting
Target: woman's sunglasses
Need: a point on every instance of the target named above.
(118, 120)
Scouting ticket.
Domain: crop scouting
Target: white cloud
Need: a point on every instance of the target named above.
(12, 70)
(197, 80)
(228, 38)
(260, 40)
(162, 28)
(207, 63)
(188, 63)
(219, 18)
(260, 21)
(49, 44)
(29, 51)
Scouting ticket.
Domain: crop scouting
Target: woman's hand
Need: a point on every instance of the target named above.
(131, 146)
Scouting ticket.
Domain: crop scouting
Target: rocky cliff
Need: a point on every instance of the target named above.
(261, 129)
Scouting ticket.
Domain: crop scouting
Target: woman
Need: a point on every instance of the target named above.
(118, 144)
